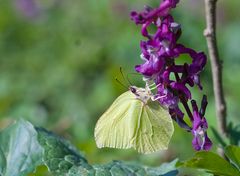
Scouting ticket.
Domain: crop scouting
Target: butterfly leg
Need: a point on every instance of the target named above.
(156, 86)
(157, 97)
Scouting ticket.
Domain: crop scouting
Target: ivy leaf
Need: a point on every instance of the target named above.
(212, 163)
(59, 155)
(233, 154)
(20, 151)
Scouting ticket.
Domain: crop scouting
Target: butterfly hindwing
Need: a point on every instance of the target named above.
(155, 129)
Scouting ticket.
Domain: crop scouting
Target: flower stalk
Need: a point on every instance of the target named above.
(216, 66)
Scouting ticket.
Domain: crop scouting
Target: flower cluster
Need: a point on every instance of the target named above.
(159, 53)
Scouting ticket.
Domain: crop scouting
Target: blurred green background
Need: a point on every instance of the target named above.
(59, 60)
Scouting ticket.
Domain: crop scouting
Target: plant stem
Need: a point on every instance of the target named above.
(183, 100)
(216, 65)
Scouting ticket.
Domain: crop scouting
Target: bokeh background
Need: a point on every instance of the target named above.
(59, 60)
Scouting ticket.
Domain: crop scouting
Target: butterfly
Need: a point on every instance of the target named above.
(135, 120)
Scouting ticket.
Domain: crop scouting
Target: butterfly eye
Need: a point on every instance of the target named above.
(133, 90)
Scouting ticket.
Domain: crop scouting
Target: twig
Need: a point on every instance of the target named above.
(216, 65)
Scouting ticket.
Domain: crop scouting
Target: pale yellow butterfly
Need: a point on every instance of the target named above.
(135, 120)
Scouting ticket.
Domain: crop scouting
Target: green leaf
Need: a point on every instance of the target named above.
(81, 170)
(233, 154)
(118, 168)
(62, 158)
(24, 147)
(59, 155)
(212, 163)
(166, 169)
(2, 162)
(234, 133)
(221, 139)
(20, 151)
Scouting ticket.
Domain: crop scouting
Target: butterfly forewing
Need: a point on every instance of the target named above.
(116, 126)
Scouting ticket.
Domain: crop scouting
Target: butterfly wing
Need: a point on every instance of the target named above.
(116, 127)
(129, 123)
(155, 129)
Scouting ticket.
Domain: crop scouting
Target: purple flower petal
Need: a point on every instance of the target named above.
(150, 67)
(149, 14)
(181, 87)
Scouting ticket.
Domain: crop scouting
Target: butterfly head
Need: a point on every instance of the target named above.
(142, 94)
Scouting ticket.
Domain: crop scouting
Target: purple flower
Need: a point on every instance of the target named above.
(149, 14)
(159, 52)
(199, 130)
(151, 66)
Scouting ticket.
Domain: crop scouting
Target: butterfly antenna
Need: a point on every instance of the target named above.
(126, 79)
(119, 82)
(138, 74)
(129, 80)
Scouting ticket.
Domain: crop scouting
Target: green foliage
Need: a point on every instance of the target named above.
(2, 162)
(120, 168)
(234, 133)
(20, 151)
(233, 137)
(23, 147)
(233, 154)
(222, 140)
(59, 154)
(216, 165)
